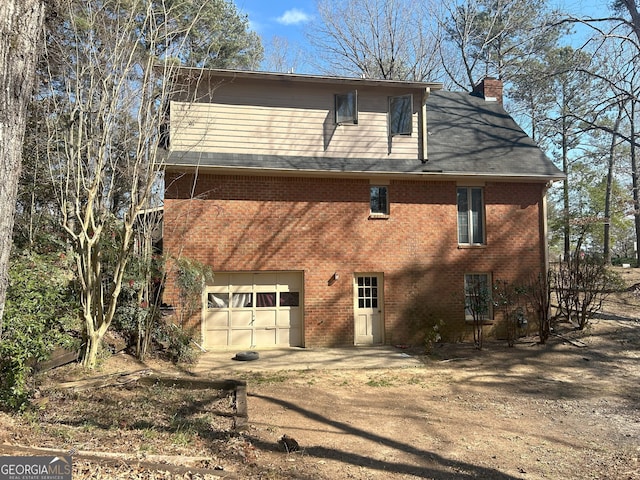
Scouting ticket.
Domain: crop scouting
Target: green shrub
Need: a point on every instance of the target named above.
(180, 346)
(191, 278)
(41, 313)
(130, 315)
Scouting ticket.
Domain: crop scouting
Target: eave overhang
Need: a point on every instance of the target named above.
(198, 74)
(422, 174)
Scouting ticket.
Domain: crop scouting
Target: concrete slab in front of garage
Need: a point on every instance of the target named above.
(310, 359)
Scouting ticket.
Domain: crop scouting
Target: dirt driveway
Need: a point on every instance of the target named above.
(566, 410)
(558, 411)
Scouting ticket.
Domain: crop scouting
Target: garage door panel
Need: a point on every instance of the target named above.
(241, 318)
(265, 318)
(217, 320)
(218, 338)
(289, 317)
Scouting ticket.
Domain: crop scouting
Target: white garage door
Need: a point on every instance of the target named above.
(248, 310)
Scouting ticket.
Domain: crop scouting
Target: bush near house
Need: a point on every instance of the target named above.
(41, 313)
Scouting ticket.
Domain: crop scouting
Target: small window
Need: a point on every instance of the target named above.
(266, 299)
(367, 292)
(470, 216)
(378, 200)
(347, 108)
(241, 300)
(400, 111)
(478, 303)
(289, 299)
(218, 300)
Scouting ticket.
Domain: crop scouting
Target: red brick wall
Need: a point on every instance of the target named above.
(322, 226)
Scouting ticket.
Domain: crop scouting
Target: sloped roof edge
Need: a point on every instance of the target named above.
(284, 165)
(192, 72)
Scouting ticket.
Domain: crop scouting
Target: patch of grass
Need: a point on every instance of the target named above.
(149, 434)
(88, 426)
(147, 448)
(31, 417)
(380, 382)
(184, 433)
(61, 433)
(415, 380)
(260, 378)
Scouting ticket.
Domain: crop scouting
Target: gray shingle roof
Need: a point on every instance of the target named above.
(467, 136)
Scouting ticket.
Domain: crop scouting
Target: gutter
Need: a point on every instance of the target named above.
(416, 175)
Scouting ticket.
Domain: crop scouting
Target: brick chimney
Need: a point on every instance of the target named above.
(490, 89)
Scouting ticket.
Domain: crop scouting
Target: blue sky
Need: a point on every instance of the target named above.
(284, 18)
(290, 19)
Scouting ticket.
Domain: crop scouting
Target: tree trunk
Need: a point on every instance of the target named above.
(634, 180)
(635, 16)
(20, 32)
(606, 250)
(91, 352)
(566, 216)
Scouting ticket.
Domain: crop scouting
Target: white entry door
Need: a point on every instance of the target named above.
(369, 312)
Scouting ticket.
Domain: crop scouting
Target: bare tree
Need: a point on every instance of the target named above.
(107, 104)
(616, 40)
(494, 37)
(20, 32)
(539, 294)
(582, 284)
(478, 306)
(282, 56)
(386, 39)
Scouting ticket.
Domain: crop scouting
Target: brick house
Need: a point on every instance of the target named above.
(340, 211)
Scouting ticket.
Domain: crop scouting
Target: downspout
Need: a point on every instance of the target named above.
(545, 231)
(422, 147)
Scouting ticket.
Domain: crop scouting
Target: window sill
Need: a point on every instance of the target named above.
(463, 246)
(379, 216)
(489, 321)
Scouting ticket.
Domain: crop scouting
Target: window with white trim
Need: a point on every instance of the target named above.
(477, 300)
(347, 108)
(400, 115)
(470, 216)
(378, 200)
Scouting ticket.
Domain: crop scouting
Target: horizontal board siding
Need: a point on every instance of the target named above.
(233, 125)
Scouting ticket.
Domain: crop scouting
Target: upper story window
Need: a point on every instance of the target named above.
(379, 200)
(400, 109)
(347, 108)
(470, 216)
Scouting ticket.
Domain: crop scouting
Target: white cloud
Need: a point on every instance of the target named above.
(294, 17)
